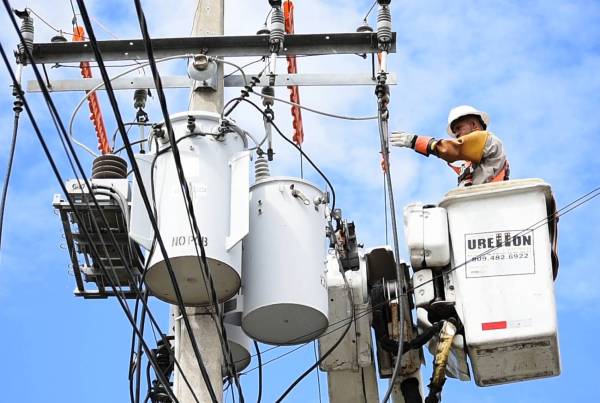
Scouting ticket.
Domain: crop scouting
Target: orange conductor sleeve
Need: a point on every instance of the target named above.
(93, 103)
(288, 12)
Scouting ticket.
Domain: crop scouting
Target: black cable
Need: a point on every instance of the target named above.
(403, 278)
(48, 24)
(189, 206)
(259, 398)
(331, 349)
(17, 108)
(292, 143)
(61, 183)
(364, 386)
(148, 383)
(118, 150)
(115, 107)
(317, 369)
(245, 65)
(132, 368)
(370, 9)
(74, 20)
(129, 125)
(138, 372)
(57, 122)
(245, 92)
(385, 213)
(63, 136)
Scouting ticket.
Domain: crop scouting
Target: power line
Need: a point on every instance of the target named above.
(71, 202)
(52, 27)
(188, 201)
(17, 108)
(292, 143)
(115, 107)
(260, 374)
(370, 9)
(62, 132)
(62, 135)
(313, 110)
(314, 343)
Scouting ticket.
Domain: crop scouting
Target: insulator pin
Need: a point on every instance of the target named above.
(261, 168)
(270, 92)
(139, 98)
(27, 32)
(277, 30)
(109, 166)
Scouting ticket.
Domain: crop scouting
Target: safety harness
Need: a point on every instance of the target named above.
(465, 173)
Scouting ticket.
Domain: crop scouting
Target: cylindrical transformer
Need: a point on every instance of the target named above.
(284, 283)
(209, 161)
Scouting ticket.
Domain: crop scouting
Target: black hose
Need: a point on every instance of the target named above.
(259, 398)
(411, 391)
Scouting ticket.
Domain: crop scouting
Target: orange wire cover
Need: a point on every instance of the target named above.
(288, 12)
(93, 103)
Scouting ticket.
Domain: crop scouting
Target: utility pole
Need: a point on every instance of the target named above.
(208, 21)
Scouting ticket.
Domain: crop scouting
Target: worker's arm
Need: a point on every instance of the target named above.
(469, 147)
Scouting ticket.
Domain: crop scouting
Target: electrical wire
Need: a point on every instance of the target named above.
(401, 277)
(370, 9)
(104, 84)
(68, 66)
(292, 143)
(314, 343)
(246, 65)
(260, 374)
(112, 99)
(61, 129)
(236, 66)
(331, 115)
(120, 149)
(128, 125)
(385, 212)
(190, 210)
(188, 201)
(61, 31)
(245, 92)
(132, 368)
(57, 121)
(331, 349)
(11, 154)
(61, 182)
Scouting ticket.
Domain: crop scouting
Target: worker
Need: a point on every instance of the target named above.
(481, 151)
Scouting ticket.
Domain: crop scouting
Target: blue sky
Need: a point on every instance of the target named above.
(533, 66)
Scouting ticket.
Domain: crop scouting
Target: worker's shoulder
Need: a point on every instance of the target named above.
(491, 135)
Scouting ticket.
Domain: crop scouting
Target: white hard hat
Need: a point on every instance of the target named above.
(464, 110)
